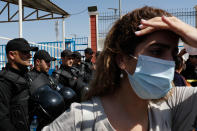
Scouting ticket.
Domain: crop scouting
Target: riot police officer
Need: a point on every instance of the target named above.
(64, 74)
(48, 99)
(88, 55)
(69, 76)
(84, 70)
(88, 61)
(14, 87)
(39, 74)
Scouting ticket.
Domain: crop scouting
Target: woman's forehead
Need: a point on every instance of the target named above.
(165, 37)
(159, 39)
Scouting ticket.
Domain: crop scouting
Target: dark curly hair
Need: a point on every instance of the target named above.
(121, 39)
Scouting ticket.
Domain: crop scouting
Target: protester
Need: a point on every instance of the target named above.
(179, 80)
(190, 73)
(132, 87)
(14, 86)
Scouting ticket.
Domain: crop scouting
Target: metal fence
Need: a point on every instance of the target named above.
(54, 49)
(107, 19)
(188, 15)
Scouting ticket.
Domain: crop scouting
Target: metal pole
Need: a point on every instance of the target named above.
(120, 9)
(20, 19)
(115, 11)
(63, 33)
(196, 15)
(57, 30)
(75, 35)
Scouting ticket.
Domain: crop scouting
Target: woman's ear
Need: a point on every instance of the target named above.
(120, 62)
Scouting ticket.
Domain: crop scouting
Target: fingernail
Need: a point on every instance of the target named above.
(143, 20)
(140, 26)
(137, 32)
(165, 17)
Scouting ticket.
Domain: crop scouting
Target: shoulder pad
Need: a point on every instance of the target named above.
(2, 73)
(74, 69)
(84, 63)
(1, 76)
(12, 76)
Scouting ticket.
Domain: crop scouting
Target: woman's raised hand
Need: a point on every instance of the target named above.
(187, 33)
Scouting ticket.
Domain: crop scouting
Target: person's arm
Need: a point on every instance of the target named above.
(70, 120)
(188, 33)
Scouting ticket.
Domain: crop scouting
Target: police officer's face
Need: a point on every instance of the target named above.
(22, 58)
(76, 61)
(44, 66)
(68, 61)
(88, 56)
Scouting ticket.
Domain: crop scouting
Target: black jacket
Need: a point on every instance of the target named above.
(85, 71)
(14, 95)
(68, 77)
(65, 76)
(39, 79)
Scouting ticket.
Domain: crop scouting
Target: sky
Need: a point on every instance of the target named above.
(78, 22)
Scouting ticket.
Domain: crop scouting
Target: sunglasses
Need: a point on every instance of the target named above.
(25, 52)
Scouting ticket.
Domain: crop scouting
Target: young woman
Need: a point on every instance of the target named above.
(132, 89)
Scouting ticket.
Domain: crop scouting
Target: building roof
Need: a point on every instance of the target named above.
(44, 5)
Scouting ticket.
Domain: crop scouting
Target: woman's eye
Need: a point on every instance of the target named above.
(156, 52)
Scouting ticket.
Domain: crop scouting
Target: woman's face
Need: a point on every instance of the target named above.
(160, 44)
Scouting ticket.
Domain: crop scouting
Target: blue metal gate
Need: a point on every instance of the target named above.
(54, 49)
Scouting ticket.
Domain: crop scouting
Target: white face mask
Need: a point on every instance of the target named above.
(152, 77)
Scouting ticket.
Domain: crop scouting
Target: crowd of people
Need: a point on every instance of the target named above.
(139, 82)
(28, 92)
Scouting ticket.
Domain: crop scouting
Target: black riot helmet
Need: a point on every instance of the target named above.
(48, 103)
(68, 94)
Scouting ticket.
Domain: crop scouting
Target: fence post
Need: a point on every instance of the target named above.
(93, 27)
(195, 15)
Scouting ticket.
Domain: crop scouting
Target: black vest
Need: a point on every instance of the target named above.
(39, 79)
(19, 99)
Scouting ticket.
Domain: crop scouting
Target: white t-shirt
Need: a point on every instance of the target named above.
(178, 113)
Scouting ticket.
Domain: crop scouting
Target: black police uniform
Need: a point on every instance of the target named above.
(68, 77)
(14, 94)
(85, 71)
(65, 76)
(45, 102)
(39, 79)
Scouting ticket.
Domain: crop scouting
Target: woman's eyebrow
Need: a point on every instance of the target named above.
(160, 45)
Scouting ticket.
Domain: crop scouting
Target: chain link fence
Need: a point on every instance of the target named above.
(107, 19)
